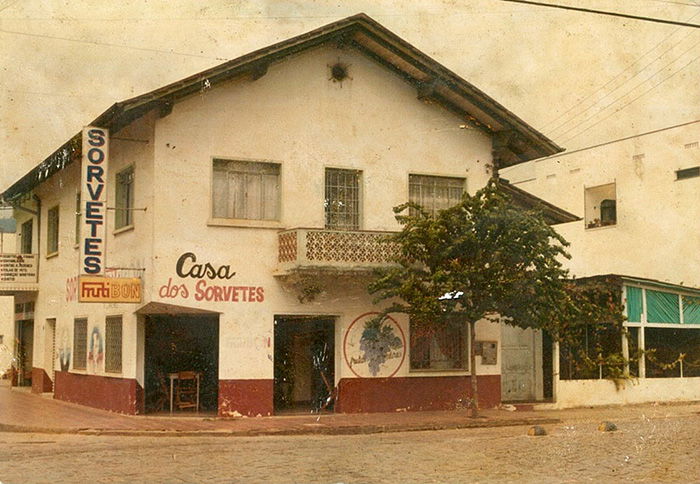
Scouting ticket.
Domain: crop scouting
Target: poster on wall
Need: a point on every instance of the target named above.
(374, 349)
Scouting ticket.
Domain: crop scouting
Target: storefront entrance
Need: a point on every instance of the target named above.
(182, 349)
(304, 364)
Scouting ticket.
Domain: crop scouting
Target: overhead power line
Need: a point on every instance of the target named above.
(633, 100)
(107, 44)
(602, 12)
(619, 74)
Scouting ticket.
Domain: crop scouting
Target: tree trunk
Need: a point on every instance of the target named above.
(472, 367)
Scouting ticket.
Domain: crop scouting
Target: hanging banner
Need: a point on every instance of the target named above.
(109, 289)
(93, 196)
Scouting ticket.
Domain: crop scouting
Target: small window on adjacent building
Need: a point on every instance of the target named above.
(124, 195)
(439, 347)
(113, 344)
(80, 344)
(26, 238)
(52, 231)
(435, 193)
(248, 190)
(688, 173)
(601, 206)
(342, 201)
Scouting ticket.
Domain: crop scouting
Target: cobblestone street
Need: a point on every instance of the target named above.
(642, 450)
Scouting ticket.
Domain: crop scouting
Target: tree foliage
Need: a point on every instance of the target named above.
(485, 258)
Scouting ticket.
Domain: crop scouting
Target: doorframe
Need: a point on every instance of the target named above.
(336, 338)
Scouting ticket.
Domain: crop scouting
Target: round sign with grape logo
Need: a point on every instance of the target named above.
(374, 348)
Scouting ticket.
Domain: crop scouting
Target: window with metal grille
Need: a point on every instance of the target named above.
(26, 240)
(80, 343)
(439, 347)
(52, 230)
(435, 193)
(342, 201)
(248, 190)
(124, 195)
(113, 344)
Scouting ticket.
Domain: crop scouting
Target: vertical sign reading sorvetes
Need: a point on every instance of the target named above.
(94, 200)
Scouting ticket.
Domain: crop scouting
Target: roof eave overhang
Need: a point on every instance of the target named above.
(514, 141)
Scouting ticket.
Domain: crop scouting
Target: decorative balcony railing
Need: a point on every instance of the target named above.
(18, 273)
(334, 249)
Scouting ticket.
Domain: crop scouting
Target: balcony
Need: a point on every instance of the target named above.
(18, 273)
(333, 250)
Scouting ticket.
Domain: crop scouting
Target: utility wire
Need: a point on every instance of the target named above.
(633, 100)
(107, 44)
(629, 66)
(572, 118)
(602, 12)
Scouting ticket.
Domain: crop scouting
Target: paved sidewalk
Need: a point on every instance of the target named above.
(21, 411)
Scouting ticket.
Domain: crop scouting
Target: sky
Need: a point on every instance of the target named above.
(579, 78)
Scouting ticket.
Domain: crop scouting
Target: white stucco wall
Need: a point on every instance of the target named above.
(658, 217)
(294, 116)
(575, 393)
(297, 117)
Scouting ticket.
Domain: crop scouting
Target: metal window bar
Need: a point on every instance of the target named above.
(342, 199)
(80, 344)
(113, 344)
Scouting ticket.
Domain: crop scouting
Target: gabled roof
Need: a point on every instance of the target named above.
(514, 140)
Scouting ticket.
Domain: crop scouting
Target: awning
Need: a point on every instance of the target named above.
(160, 308)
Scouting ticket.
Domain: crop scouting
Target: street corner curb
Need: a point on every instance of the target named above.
(303, 429)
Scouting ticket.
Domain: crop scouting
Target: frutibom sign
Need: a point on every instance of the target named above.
(93, 196)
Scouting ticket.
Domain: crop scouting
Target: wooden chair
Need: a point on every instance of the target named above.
(187, 390)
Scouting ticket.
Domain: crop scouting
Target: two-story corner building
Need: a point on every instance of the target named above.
(249, 202)
(639, 197)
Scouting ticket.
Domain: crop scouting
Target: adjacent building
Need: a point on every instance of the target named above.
(225, 226)
(639, 197)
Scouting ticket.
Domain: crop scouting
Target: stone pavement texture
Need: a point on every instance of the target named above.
(647, 450)
(25, 412)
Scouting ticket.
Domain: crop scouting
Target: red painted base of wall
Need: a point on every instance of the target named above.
(123, 395)
(40, 381)
(247, 397)
(356, 395)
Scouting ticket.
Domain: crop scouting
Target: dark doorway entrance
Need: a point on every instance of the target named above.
(24, 351)
(304, 363)
(177, 344)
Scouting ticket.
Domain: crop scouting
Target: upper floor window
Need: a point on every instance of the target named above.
(601, 206)
(246, 190)
(435, 193)
(52, 231)
(26, 237)
(124, 212)
(342, 199)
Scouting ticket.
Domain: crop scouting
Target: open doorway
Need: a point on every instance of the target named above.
(176, 346)
(304, 364)
(24, 352)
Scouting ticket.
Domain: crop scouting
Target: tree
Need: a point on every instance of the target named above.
(484, 258)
